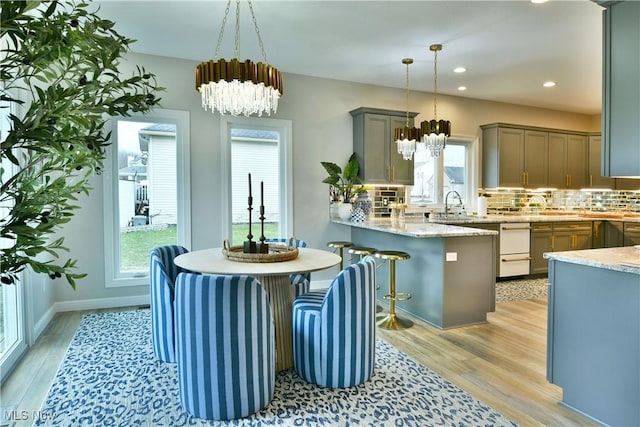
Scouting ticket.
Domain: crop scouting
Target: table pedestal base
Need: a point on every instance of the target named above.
(278, 289)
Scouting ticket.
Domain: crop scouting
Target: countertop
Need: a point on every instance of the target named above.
(417, 228)
(489, 219)
(625, 259)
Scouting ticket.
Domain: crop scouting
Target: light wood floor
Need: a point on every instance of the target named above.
(502, 363)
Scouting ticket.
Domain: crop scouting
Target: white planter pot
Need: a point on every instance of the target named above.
(344, 211)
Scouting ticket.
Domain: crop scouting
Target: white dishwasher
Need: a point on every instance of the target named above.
(514, 249)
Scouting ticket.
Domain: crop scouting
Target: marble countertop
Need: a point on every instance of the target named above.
(493, 219)
(625, 259)
(417, 228)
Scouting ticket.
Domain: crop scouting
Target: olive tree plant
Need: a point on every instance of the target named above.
(60, 85)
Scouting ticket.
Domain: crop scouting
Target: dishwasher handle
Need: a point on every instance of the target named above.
(520, 227)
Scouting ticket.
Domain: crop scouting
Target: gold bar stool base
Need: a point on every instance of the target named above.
(391, 321)
(394, 323)
(339, 245)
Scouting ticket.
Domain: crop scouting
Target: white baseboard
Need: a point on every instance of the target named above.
(320, 284)
(91, 304)
(42, 323)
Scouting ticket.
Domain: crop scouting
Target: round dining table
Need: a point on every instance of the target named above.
(274, 276)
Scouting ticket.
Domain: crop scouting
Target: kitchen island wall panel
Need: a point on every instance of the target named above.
(451, 279)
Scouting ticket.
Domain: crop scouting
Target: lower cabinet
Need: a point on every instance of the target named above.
(613, 234)
(557, 237)
(631, 234)
(541, 242)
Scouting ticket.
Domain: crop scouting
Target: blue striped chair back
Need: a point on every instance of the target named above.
(301, 282)
(225, 346)
(162, 275)
(335, 332)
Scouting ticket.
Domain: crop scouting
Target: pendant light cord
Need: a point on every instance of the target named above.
(407, 100)
(435, 87)
(237, 29)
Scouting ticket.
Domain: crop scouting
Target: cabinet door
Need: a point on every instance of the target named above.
(582, 240)
(535, 158)
(576, 160)
(557, 156)
(621, 103)
(631, 234)
(562, 241)
(400, 170)
(627, 184)
(511, 157)
(376, 133)
(540, 243)
(613, 234)
(596, 180)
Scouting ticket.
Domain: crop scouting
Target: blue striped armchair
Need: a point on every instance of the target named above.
(300, 282)
(334, 330)
(225, 346)
(162, 276)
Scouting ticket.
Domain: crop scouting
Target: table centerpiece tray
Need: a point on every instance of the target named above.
(277, 253)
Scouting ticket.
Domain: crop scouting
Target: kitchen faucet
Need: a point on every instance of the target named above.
(446, 201)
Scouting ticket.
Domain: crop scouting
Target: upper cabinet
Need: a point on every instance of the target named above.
(375, 149)
(621, 89)
(596, 180)
(514, 156)
(568, 160)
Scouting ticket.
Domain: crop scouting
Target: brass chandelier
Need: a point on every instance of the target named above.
(406, 137)
(435, 132)
(239, 87)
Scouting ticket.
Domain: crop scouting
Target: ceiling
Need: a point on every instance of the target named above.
(508, 47)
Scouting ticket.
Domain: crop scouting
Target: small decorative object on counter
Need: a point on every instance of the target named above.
(364, 203)
(344, 211)
(249, 246)
(358, 215)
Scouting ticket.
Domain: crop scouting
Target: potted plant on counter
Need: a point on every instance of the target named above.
(344, 185)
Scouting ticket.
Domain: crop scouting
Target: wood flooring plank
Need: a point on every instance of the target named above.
(502, 363)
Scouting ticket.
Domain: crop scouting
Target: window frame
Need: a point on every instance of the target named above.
(472, 171)
(113, 277)
(285, 129)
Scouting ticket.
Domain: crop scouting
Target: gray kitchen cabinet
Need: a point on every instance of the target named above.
(627, 184)
(613, 234)
(568, 160)
(596, 180)
(571, 236)
(621, 103)
(541, 242)
(375, 149)
(631, 234)
(513, 157)
(492, 227)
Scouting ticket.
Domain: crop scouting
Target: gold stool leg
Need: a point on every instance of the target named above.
(340, 264)
(391, 321)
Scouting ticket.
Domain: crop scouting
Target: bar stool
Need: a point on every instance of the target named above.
(340, 246)
(363, 251)
(391, 321)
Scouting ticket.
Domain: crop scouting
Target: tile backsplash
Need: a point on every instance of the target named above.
(509, 200)
(383, 198)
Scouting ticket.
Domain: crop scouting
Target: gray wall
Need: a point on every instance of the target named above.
(319, 110)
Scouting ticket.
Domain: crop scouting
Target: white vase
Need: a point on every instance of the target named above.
(344, 211)
(333, 210)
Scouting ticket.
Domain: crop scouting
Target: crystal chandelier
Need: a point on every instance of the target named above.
(435, 132)
(239, 87)
(405, 137)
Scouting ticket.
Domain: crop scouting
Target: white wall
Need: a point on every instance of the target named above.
(322, 130)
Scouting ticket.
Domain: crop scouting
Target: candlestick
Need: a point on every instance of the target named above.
(249, 245)
(263, 247)
(249, 185)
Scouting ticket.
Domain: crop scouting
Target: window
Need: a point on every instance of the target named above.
(454, 170)
(146, 190)
(260, 147)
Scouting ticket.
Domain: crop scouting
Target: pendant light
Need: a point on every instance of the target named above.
(235, 87)
(405, 137)
(435, 132)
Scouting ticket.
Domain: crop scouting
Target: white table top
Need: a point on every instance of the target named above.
(211, 261)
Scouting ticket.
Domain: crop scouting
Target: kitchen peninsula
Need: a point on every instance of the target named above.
(593, 348)
(451, 272)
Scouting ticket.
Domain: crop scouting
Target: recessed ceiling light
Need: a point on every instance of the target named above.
(459, 70)
(461, 88)
(549, 84)
(539, 1)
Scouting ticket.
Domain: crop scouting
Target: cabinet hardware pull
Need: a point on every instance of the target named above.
(524, 180)
(524, 258)
(553, 242)
(515, 228)
(590, 180)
